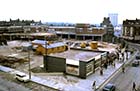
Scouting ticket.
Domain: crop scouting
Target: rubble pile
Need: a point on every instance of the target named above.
(12, 62)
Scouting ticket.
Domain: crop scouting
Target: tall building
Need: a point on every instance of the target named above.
(113, 18)
(108, 28)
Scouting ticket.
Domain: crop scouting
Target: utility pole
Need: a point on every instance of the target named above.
(45, 54)
(29, 63)
(29, 60)
(45, 46)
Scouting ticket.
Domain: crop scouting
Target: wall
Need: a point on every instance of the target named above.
(54, 64)
(82, 69)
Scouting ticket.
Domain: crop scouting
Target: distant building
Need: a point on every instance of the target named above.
(113, 18)
(81, 31)
(131, 30)
(118, 31)
(108, 27)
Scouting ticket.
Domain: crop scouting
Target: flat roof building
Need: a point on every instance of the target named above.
(77, 62)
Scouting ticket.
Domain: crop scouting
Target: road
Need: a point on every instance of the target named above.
(124, 81)
(9, 83)
(6, 85)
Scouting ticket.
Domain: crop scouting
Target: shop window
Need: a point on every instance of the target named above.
(72, 69)
(89, 68)
(97, 63)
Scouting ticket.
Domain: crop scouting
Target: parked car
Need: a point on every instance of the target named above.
(135, 63)
(109, 87)
(138, 56)
(22, 77)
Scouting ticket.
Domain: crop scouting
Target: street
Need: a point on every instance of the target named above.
(124, 81)
(6, 85)
(9, 83)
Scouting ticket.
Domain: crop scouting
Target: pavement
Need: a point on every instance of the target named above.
(71, 83)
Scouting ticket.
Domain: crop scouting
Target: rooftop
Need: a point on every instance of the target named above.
(41, 34)
(81, 55)
(46, 45)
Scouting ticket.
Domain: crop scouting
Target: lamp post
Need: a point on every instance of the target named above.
(45, 46)
(29, 60)
(45, 54)
(29, 63)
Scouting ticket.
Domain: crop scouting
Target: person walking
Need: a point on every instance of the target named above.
(122, 57)
(101, 70)
(134, 87)
(126, 55)
(105, 65)
(94, 86)
(126, 52)
(114, 64)
(123, 69)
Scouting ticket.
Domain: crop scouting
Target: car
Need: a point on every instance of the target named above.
(22, 77)
(109, 87)
(135, 63)
(137, 56)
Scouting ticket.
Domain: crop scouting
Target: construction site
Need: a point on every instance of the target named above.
(68, 62)
(16, 54)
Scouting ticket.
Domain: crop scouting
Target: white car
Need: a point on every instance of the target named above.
(22, 77)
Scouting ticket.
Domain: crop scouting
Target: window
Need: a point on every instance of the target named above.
(89, 68)
(72, 69)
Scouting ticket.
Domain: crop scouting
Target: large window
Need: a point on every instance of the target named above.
(131, 31)
(72, 69)
(97, 63)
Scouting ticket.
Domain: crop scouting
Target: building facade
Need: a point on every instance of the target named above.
(108, 27)
(131, 30)
(80, 32)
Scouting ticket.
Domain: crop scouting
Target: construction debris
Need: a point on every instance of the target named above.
(12, 62)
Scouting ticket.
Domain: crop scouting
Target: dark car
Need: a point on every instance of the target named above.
(109, 87)
(138, 56)
(135, 63)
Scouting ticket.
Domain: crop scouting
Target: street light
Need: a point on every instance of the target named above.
(29, 48)
(29, 63)
(45, 45)
(45, 54)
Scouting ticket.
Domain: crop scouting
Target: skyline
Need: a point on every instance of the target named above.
(72, 11)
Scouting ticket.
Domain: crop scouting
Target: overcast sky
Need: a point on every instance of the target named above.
(75, 11)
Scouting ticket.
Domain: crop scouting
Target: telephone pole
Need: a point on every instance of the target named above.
(29, 59)
(29, 63)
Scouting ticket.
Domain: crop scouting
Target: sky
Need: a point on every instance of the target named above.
(73, 11)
